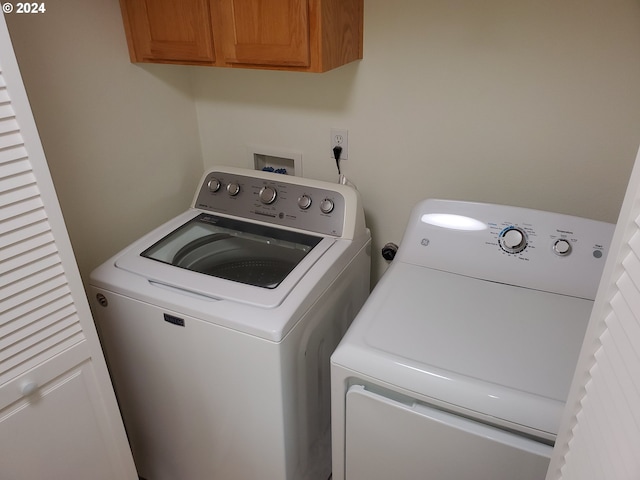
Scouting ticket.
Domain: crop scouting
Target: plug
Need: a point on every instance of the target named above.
(337, 151)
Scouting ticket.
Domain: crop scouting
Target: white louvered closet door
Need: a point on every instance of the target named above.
(58, 413)
(40, 319)
(600, 433)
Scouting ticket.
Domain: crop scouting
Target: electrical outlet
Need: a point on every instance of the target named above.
(340, 137)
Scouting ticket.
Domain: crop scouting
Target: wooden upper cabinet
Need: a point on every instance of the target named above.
(302, 35)
(168, 30)
(263, 32)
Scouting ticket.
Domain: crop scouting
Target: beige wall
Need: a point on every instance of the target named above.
(532, 103)
(121, 140)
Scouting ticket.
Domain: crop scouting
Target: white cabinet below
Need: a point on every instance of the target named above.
(61, 430)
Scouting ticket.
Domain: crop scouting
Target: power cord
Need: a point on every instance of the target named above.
(337, 151)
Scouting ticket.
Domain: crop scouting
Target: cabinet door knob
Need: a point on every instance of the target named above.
(29, 388)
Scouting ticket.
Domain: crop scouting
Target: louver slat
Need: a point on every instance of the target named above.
(38, 319)
(604, 433)
(40, 302)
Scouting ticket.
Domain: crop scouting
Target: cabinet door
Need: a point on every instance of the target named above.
(169, 30)
(263, 32)
(55, 425)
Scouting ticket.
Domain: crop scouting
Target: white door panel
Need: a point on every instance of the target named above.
(388, 439)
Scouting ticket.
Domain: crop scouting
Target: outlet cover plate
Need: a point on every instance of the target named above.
(340, 137)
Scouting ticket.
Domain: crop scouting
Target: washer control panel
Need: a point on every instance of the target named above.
(274, 198)
(511, 245)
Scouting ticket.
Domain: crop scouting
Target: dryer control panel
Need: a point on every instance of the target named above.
(276, 199)
(516, 246)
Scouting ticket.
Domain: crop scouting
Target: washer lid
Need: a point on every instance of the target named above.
(500, 351)
(226, 258)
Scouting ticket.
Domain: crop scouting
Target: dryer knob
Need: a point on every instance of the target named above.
(513, 240)
(562, 247)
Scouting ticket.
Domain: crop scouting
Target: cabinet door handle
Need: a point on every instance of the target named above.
(28, 388)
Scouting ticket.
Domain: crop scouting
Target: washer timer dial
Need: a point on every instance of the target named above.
(268, 195)
(512, 240)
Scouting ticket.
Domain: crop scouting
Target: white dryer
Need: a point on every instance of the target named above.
(459, 364)
(218, 327)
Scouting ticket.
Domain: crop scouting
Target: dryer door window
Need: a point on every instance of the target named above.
(234, 250)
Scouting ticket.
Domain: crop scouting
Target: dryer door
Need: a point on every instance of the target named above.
(388, 439)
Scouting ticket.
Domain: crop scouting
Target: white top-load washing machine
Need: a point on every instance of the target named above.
(459, 364)
(218, 327)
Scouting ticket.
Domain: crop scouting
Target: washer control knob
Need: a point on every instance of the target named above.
(326, 206)
(268, 195)
(304, 202)
(562, 247)
(213, 184)
(513, 240)
(233, 189)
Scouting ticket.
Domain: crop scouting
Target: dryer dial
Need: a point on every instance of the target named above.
(562, 247)
(513, 240)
